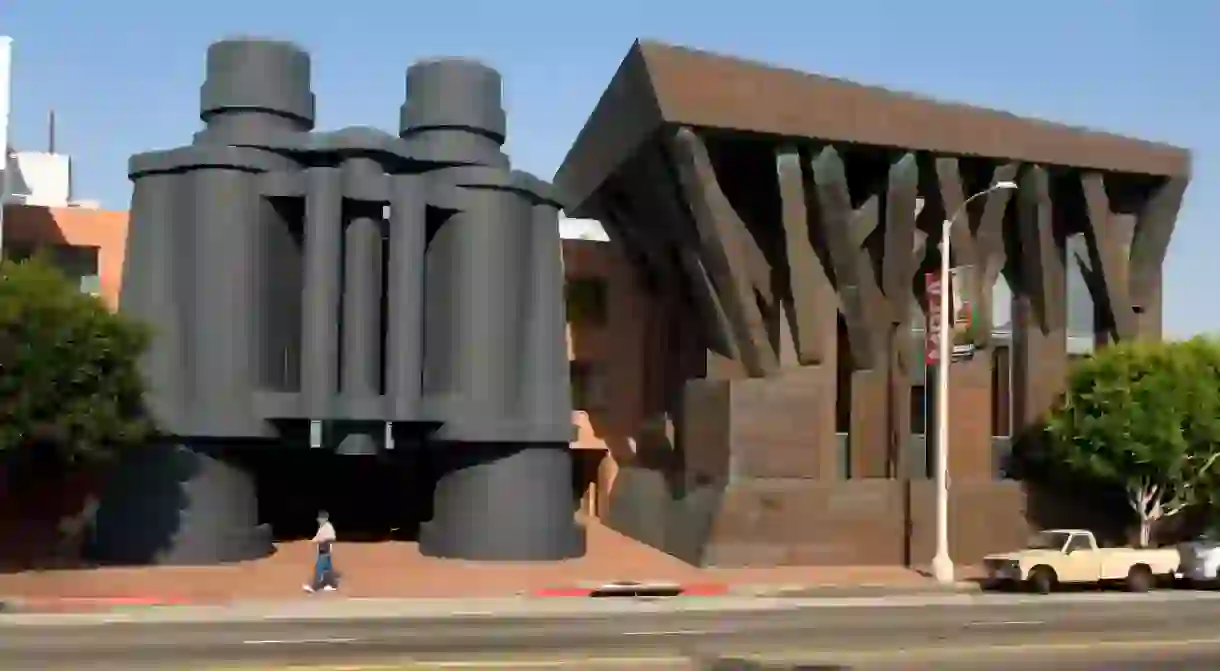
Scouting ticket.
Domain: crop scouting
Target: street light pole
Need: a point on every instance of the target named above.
(6, 66)
(942, 563)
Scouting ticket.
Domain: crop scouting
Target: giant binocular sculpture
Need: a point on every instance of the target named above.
(360, 280)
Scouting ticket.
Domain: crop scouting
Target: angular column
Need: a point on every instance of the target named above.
(814, 317)
(323, 257)
(405, 297)
(902, 254)
(224, 352)
(169, 504)
(1153, 230)
(733, 261)
(475, 287)
(1039, 309)
(504, 502)
(362, 269)
(504, 492)
(843, 231)
(180, 500)
(544, 375)
(493, 320)
(255, 101)
(971, 457)
(361, 328)
(150, 290)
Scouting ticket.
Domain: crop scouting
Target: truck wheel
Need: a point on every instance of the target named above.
(1042, 580)
(1139, 578)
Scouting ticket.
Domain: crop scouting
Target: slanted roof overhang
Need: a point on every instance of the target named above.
(658, 85)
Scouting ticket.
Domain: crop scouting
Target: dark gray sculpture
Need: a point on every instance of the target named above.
(354, 278)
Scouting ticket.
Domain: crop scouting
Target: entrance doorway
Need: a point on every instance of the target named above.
(370, 498)
(586, 466)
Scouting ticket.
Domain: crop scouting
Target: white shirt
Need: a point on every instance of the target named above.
(326, 533)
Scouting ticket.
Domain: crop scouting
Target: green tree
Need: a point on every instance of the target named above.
(70, 388)
(1143, 417)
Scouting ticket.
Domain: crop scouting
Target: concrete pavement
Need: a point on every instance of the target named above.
(329, 607)
(863, 633)
(398, 569)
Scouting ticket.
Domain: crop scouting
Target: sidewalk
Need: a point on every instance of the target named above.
(398, 571)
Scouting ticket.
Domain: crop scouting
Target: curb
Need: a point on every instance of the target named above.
(623, 589)
(832, 589)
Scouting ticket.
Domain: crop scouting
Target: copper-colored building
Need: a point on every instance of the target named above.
(87, 244)
(779, 226)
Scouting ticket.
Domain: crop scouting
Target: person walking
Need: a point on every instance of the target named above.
(324, 565)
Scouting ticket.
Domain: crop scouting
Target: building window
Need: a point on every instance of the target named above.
(843, 385)
(586, 300)
(919, 410)
(1081, 310)
(79, 263)
(843, 394)
(588, 386)
(18, 252)
(1001, 391)
(917, 453)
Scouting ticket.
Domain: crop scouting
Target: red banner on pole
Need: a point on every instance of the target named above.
(931, 347)
(961, 318)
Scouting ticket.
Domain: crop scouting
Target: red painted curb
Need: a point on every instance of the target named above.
(705, 589)
(563, 591)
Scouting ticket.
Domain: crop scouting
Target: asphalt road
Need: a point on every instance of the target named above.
(1069, 632)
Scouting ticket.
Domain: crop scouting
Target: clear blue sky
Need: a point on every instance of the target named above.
(124, 75)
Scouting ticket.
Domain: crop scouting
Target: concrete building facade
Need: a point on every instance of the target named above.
(353, 292)
(745, 349)
(785, 241)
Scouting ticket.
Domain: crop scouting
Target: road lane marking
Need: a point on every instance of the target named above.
(934, 652)
(804, 656)
(571, 662)
(1005, 623)
(675, 632)
(298, 641)
(574, 661)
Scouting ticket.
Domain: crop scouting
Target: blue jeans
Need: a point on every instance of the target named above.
(323, 571)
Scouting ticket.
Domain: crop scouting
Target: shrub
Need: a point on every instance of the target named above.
(70, 388)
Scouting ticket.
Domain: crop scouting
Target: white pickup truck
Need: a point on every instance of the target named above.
(1071, 556)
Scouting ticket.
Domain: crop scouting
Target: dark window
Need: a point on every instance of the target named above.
(587, 386)
(1081, 309)
(18, 252)
(586, 300)
(1079, 542)
(919, 409)
(79, 263)
(843, 367)
(1001, 391)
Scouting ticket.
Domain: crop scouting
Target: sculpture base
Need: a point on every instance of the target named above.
(170, 504)
(503, 502)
